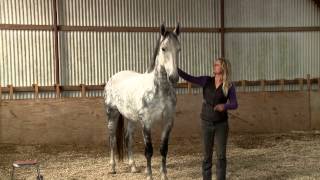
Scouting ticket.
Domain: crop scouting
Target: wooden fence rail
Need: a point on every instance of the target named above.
(82, 88)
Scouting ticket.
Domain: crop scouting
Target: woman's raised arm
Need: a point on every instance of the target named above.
(200, 80)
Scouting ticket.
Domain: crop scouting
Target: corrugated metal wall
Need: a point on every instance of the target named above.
(271, 13)
(140, 13)
(92, 57)
(273, 55)
(36, 12)
(256, 56)
(26, 57)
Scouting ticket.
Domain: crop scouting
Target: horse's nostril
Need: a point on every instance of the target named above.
(173, 79)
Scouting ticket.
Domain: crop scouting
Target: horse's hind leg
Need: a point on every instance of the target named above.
(128, 141)
(113, 116)
(164, 148)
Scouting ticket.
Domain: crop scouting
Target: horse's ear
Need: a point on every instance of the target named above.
(177, 29)
(162, 29)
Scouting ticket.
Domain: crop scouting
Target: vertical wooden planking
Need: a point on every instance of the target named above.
(262, 85)
(55, 37)
(282, 85)
(189, 88)
(301, 84)
(83, 90)
(10, 91)
(36, 91)
(57, 87)
(243, 85)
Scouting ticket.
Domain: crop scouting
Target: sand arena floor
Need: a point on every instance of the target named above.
(279, 156)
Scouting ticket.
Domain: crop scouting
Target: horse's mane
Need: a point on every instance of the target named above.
(156, 50)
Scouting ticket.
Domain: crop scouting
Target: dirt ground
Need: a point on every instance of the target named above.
(293, 155)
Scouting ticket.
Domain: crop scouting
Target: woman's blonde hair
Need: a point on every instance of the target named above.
(226, 74)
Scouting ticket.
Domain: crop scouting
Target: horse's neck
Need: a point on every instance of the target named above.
(161, 81)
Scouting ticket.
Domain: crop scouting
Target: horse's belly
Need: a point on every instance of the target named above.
(132, 115)
(129, 110)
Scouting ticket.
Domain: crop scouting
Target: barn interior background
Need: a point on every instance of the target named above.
(56, 55)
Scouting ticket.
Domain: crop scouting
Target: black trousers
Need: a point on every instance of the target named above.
(214, 135)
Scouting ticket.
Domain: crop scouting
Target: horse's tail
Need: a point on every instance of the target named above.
(120, 137)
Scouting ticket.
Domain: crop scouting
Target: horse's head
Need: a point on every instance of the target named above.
(167, 52)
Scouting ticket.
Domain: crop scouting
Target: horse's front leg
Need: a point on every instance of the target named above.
(164, 147)
(148, 149)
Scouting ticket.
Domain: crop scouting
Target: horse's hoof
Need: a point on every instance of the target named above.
(134, 169)
(112, 172)
(149, 178)
(164, 176)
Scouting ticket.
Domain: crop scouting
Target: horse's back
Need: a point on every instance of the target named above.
(122, 76)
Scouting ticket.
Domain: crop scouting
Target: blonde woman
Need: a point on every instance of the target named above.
(217, 90)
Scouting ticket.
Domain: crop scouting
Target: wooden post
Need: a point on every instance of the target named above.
(262, 84)
(222, 29)
(57, 86)
(10, 91)
(189, 88)
(282, 84)
(309, 99)
(308, 82)
(36, 91)
(243, 85)
(83, 90)
(301, 84)
(0, 92)
(56, 40)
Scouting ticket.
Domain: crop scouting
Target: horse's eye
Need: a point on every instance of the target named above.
(163, 49)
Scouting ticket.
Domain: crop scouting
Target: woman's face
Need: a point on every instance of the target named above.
(217, 69)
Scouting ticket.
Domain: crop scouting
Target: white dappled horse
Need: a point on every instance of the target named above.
(144, 98)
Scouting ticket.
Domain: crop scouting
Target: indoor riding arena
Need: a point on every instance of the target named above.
(57, 57)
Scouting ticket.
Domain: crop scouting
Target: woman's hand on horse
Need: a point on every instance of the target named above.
(219, 107)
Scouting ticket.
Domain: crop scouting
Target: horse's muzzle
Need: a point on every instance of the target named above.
(174, 78)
